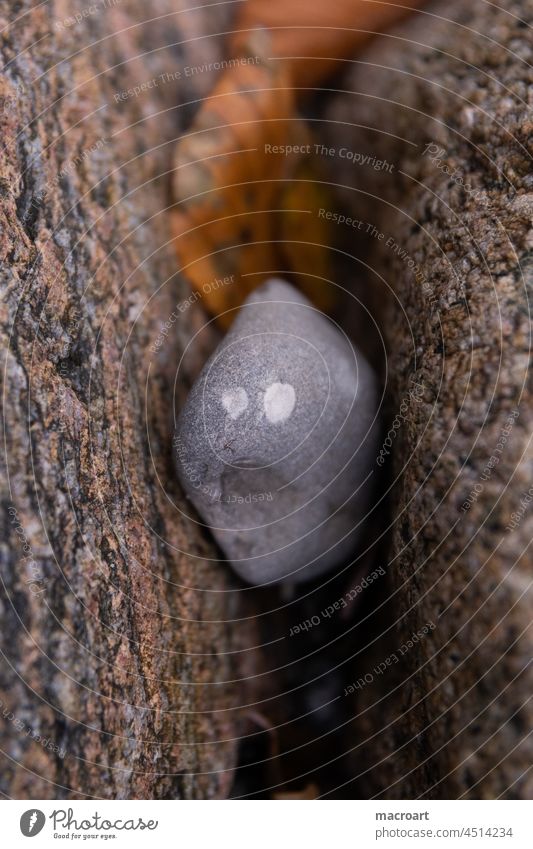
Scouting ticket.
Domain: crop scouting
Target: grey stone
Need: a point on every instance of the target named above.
(276, 443)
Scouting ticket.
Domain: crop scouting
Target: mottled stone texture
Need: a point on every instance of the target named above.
(114, 640)
(110, 650)
(457, 322)
(276, 444)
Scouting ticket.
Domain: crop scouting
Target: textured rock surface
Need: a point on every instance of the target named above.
(276, 444)
(114, 643)
(452, 717)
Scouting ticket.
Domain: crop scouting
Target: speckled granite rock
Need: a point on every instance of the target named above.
(452, 717)
(110, 642)
(276, 444)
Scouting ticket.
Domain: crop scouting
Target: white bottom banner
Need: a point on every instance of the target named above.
(236, 824)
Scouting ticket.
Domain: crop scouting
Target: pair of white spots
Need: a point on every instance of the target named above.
(278, 402)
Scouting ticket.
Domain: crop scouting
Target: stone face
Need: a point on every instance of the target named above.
(276, 443)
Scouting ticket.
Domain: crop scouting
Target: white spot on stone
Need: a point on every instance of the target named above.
(235, 402)
(279, 402)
